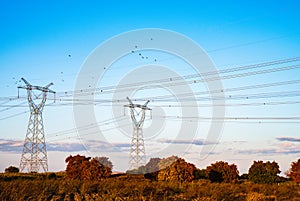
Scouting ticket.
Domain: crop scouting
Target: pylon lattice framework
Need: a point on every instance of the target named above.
(137, 148)
(34, 153)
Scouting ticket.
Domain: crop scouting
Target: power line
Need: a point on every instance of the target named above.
(239, 120)
(235, 118)
(85, 127)
(235, 89)
(109, 89)
(197, 98)
(240, 75)
(14, 115)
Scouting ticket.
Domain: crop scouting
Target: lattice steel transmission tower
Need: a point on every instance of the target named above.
(34, 151)
(137, 148)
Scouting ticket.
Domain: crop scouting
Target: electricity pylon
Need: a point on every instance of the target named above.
(137, 148)
(34, 150)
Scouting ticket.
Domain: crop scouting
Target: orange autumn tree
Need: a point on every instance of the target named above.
(222, 172)
(294, 172)
(85, 168)
(178, 170)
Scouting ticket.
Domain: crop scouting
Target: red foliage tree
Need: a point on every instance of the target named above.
(81, 167)
(294, 171)
(178, 170)
(76, 165)
(222, 172)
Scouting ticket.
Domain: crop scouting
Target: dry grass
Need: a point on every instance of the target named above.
(135, 187)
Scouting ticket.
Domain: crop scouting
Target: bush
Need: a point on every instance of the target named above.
(52, 176)
(11, 169)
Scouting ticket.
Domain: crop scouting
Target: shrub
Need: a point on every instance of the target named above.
(52, 176)
(11, 169)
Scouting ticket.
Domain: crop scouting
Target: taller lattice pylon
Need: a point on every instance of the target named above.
(137, 148)
(34, 153)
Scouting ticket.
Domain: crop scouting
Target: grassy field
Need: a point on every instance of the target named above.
(54, 187)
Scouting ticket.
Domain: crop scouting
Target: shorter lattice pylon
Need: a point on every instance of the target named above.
(137, 148)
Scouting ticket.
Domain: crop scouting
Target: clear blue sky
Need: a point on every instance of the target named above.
(48, 42)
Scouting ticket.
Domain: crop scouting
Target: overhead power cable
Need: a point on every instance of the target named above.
(110, 89)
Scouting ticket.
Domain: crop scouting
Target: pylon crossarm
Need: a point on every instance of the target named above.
(26, 82)
(48, 85)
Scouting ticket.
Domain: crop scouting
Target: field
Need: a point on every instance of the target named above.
(54, 187)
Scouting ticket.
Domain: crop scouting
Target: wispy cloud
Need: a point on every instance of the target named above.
(288, 139)
(198, 142)
(268, 151)
(68, 147)
(8, 145)
(11, 145)
(121, 145)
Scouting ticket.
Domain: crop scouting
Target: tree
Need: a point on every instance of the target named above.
(243, 177)
(11, 169)
(222, 172)
(180, 170)
(95, 171)
(200, 174)
(104, 161)
(152, 165)
(81, 167)
(294, 172)
(152, 168)
(139, 170)
(165, 162)
(264, 173)
(76, 165)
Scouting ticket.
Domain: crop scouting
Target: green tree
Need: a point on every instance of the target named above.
(165, 162)
(222, 172)
(180, 170)
(139, 170)
(152, 168)
(11, 169)
(264, 173)
(294, 172)
(152, 165)
(105, 161)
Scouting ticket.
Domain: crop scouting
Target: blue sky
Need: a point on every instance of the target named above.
(48, 42)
